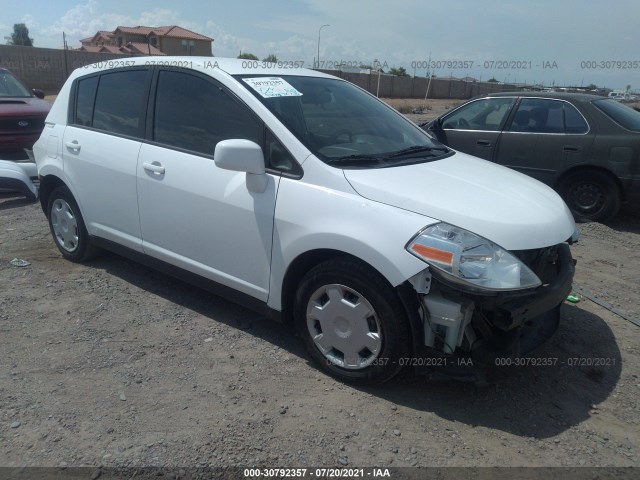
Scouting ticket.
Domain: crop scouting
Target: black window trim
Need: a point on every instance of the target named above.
(517, 105)
(73, 102)
(297, 173)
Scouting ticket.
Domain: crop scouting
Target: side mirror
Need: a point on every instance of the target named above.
(243, 156)
(38, 93)
(437, 124)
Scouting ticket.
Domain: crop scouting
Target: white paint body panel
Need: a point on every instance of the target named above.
(205, 219)
(202, 218)
(504, 206)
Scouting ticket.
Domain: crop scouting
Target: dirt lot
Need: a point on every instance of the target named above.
(110, 363)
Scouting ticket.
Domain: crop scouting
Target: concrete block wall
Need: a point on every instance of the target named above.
(47, 68)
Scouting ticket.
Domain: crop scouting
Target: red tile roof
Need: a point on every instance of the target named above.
(146, 49)
(90, 48)
(166, 31)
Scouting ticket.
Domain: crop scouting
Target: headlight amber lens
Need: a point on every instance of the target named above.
(471, 258)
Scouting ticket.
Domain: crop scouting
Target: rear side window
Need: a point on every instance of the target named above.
(194, 114)
(120, 103)
(574, 122)
(85, 99)
(541, 115)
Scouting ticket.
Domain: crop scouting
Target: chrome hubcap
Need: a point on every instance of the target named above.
(65, 225)
(344, 326)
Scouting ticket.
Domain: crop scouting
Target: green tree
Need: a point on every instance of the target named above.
(248, 56)
(400, 71)
(20, 36)
(271, 58)
(592, 86)
(492, 80)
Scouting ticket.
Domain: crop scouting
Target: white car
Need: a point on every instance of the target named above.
(301, 195)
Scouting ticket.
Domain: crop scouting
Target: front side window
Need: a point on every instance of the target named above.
(120, 102)
(341, 124)
(10, 86)
(486, 114)
(193, 113)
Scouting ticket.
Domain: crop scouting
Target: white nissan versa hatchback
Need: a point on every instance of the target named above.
(303, 196)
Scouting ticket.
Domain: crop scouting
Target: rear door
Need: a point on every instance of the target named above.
(475, 127)
(100, 151)
(544, 137)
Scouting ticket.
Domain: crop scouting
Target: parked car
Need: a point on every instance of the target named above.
(586, 147)
(22, 114)
(302, 196)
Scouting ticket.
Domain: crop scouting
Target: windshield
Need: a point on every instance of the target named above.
(341, 124)
(11, 87)
(621, 114)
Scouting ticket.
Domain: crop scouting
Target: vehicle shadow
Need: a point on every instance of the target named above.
(627, 220)
(9, 200)
(528, 401)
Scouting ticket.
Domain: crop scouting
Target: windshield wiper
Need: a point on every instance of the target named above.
(356, 160)
(417, 149)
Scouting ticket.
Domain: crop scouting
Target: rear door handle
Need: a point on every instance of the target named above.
(154, 167)
(571, 148)
(73, 145)
(483, 143)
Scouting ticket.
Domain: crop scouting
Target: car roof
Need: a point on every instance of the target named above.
(582, 97)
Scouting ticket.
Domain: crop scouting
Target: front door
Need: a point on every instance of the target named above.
(193, 214)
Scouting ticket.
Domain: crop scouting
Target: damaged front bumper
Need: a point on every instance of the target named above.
(484, 326)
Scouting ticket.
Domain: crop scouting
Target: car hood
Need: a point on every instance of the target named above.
(23, 106)
(499, 204)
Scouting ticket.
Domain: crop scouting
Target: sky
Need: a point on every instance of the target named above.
(550, 42)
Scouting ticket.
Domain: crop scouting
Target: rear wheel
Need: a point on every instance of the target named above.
(351, 322)
(591, 196)
(67, 226)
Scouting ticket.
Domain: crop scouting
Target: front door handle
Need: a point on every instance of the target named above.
(75, 146)
(571, 148)
(483, 143)
(154, 167)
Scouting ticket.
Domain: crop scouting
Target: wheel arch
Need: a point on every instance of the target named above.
(594, 169)
(304, 262)
(48, 184)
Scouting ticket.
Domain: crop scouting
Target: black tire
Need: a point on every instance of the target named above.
(67, 226)
(591, 196)
(359, 287)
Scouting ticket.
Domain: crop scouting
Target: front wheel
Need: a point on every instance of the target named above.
(351, 322)
(67, 226)
(591, 196)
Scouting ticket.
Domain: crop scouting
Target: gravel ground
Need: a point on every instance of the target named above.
(110, 363)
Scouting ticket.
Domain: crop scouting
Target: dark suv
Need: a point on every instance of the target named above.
(22, 115)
